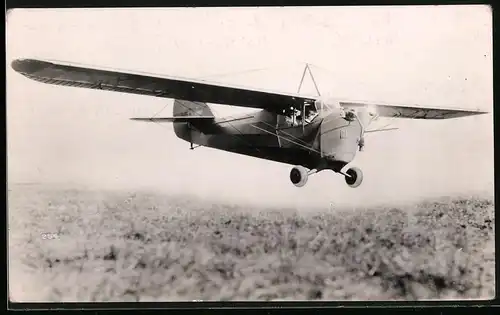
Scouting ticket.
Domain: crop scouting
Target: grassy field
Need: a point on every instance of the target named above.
(142, 246)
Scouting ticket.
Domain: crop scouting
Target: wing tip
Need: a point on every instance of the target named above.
(476, 112)
(27, 65)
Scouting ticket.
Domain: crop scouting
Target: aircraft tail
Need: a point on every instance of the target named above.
(195, 113)
(191, 120)
(188, 108)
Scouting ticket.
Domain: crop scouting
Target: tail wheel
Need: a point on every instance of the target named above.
(298, 176)
(355, 177)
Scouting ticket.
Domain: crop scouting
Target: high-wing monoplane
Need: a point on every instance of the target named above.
(310, 132)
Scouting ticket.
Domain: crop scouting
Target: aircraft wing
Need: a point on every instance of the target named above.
(64, 74)
(399, 111)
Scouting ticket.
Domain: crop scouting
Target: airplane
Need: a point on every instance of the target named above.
(312, 133)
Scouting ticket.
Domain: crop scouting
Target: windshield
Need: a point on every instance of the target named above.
(326, 105)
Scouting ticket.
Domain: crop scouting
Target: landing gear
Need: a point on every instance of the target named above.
(298, 176)
(353, 177)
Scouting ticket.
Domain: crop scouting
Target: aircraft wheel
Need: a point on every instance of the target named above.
(356, 177)
(298, 176)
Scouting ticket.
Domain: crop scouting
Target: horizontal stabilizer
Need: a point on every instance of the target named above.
(173, 119)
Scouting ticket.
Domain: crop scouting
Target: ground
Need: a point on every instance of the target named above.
(87, 245)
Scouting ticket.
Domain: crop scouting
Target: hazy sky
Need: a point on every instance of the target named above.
(430, 56)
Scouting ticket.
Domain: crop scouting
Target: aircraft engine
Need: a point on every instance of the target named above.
(298, 176)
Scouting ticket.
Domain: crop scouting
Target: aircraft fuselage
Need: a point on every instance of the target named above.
(269, 136)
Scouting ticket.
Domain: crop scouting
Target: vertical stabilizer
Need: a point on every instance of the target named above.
(188, 108)
(193, 129)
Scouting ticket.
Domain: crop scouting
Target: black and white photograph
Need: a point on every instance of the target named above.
(250, 154)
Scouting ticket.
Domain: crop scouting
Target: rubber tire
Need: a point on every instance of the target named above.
(357, 178)
(296, 173)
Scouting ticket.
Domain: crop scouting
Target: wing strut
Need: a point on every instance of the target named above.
(308, 69)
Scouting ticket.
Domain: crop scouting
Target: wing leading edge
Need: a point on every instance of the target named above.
(158, 86)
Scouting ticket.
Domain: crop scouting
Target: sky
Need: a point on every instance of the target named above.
(424, 56)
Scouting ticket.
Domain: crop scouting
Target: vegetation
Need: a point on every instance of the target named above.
(121, 246)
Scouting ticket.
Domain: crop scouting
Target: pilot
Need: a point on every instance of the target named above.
(298, 117)
(310, 114)
(290, 116)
